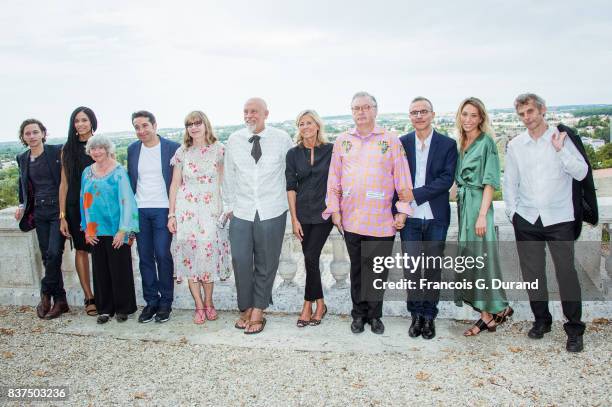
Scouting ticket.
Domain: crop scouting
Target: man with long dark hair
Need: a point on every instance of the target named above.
(39, 179)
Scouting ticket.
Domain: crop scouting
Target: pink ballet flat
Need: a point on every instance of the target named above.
(211, 313)
(199, 317)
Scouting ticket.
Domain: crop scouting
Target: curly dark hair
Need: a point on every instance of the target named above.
(27, 122)
(71, 159)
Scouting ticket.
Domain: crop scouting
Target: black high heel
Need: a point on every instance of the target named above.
(314, 321)
(301, 323)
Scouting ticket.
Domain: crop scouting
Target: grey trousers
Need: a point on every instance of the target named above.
(256, 248)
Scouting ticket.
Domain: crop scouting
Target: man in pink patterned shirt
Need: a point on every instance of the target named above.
(368, 165)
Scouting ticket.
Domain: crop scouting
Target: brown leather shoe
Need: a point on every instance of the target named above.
(43, 306)
(59, 307)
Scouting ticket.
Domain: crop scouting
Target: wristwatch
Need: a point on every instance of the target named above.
(171, 215)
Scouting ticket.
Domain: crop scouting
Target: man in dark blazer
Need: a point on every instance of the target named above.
(150, 176)
(432, 158)
(39, 180)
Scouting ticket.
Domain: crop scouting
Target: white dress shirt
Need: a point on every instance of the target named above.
(422, 211)
(538, 179)
(150, 187)
(248, 187)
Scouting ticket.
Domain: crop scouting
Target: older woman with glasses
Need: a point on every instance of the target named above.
(108, 215)
(307, 166)
(201, 248)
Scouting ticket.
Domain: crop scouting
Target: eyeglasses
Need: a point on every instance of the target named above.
(197, 123)
(416, 113)
(364, 108)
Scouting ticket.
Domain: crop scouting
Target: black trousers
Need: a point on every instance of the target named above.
(315, 236)
(51, 243)
(367, 300)
(113, 278)
(530, 242)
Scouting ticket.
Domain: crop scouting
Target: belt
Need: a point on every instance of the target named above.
(46, 201)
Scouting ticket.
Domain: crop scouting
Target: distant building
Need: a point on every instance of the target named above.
(593, 142)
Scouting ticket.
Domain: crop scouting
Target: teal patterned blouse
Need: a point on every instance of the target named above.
(108, 204)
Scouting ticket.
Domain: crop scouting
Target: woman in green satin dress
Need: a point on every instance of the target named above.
(477, 177)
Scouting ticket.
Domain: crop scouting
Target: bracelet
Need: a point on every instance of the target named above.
(171, 215)
(62, 215)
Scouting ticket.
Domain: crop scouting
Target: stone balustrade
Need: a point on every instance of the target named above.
(21, 270)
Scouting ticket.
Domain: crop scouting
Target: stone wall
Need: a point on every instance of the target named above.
(21, 271)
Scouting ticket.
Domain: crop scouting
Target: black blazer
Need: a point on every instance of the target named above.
(168, 148)
(53, 155)
(584, 197)
(440, 173)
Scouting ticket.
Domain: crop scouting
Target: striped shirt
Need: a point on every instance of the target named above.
(363, 175)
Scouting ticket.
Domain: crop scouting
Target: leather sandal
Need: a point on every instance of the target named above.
(245, 321)
(482, 326)
(90, 307)
(505, 314)
(261, 322)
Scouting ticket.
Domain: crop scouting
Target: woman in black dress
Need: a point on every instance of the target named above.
(306, 172)
(82, 124)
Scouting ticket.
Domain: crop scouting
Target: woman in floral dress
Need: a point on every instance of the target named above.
(200, 249)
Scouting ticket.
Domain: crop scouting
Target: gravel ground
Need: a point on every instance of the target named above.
(105, 370)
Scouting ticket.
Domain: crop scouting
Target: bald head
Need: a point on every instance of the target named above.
(258, 101)
(255, 114)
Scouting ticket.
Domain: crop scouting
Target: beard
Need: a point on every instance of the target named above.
(251, 127)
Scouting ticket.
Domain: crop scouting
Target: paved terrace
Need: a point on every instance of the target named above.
(179, 363)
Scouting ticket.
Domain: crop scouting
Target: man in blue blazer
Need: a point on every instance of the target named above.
(432, 158)
(150, 175)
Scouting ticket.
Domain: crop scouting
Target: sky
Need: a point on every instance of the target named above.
(117, 57)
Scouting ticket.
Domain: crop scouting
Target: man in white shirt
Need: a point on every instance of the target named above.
(254, 196)
(541, 164)
(150, 176)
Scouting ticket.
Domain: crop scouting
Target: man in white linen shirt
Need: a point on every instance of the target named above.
(541, 164)
(254, 196)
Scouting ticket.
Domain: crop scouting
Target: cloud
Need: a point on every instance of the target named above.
(171, 58)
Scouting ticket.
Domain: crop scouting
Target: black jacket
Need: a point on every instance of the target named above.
(583, 192)
(26, 191)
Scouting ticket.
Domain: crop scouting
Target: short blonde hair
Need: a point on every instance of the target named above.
(209, 133)
(100, 140)
(321, 139)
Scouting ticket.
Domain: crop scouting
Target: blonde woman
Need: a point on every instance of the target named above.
(201, 249)
(477, 177)
(306, 171)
